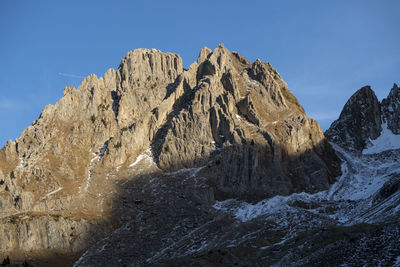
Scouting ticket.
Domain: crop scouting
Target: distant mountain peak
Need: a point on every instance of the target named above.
(359, 121)
(391, 109)
(363, 117)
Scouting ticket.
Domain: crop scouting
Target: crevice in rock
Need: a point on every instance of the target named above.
(172, 86)
(205, 68)
(269, 140)
(115, 105)
(183, 102)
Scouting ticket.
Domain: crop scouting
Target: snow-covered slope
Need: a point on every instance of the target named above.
(386, 141)
(355, 192)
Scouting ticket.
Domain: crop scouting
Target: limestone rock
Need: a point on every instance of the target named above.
(242, 121)
(234, 122)
(40, 233)
(222, 105)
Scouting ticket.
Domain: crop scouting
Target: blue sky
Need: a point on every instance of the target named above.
(324, 50)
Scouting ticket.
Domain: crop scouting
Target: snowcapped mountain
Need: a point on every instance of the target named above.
(216, 165)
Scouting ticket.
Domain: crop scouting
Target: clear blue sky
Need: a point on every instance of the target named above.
(325, 50)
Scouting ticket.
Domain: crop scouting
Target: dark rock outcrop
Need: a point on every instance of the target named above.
(359, 121)
(391, 110)
(363, 118)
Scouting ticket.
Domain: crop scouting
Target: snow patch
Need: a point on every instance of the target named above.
(81, 259)
(386, 141)
(52, 192)
(21, 164)
(351, 197)
(192, 171)
(90, 171)
(147, 155)
(397, 263)
(247, 211)
(361, 176)
(96, 157)
(244, 211)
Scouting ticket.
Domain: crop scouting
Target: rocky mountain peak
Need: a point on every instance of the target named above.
(203, 55)
(235, 122)
(391, 110)
(141, 66)
(363, 118)
(359, 121)
(223, 109)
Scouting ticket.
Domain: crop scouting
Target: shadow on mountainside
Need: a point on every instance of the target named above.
(160, 218)
(163, 215)
(167, 219)
(152, 209)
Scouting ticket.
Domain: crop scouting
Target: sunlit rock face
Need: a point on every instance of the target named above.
(240, 119)
(234, 121)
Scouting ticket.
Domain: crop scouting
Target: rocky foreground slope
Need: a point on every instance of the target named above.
(216, 165)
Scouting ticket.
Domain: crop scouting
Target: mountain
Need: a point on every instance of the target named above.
(213, 165)
(364, 119)
(359, 121)
(354, 222)
(391, 110)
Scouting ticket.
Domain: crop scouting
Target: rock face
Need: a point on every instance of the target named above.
(363, 118)
(359, 120)
(235, 121)
(391, 110)
(354, 222)
(240, 119)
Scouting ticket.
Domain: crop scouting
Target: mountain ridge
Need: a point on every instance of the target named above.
(362, 118)
(155, 164)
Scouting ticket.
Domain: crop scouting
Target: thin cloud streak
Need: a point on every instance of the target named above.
(70, 75)
(9, 105)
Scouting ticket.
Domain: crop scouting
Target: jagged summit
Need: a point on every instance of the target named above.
(153, 164)
(364, 118)
(233, 122)
(359, 120)
(203, 55)
(391, 110)
(222, 103)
